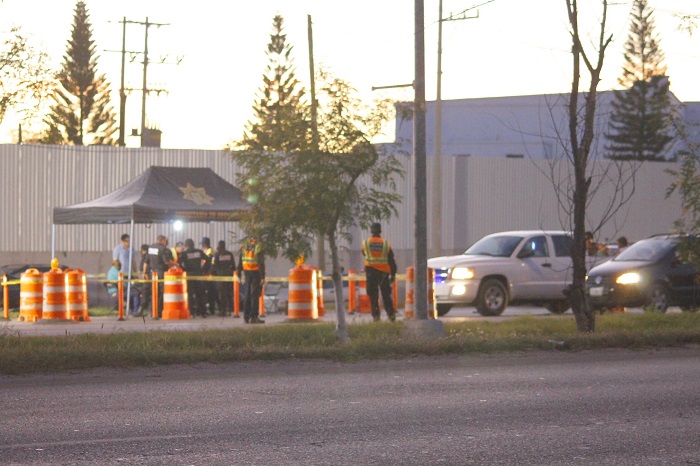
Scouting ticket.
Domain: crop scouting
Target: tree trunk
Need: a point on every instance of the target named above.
(341, 330)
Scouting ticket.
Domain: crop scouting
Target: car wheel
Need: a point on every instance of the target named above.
(443, 309)
(557, 307)
(492, 299)
(658, 299)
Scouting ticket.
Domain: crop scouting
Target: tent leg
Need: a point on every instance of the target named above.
(131, 261)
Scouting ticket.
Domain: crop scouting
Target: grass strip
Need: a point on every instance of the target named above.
(43, 354)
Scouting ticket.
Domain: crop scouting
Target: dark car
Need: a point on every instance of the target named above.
(652, 273)
(14, 272)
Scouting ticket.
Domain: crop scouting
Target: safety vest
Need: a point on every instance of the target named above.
(250, 256)
(377, 254)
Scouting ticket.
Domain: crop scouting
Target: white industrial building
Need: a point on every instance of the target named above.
(495, 165)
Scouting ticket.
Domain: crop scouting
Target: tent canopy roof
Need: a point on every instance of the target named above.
(162, 195)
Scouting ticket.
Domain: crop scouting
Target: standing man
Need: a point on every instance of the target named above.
(160, 259)
(380, 269)
(252, 263)
(125, 254)
(177, 250)
(224, 265)
(193, 261)
(209, 286)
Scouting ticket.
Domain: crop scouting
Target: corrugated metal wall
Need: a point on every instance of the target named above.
(480, 196)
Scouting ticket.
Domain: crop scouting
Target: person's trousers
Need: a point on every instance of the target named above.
(379, 281)
(225, 297)
(196, 298)
(253, 289)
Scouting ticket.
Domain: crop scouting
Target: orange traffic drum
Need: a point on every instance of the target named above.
(54, 304)
(175, 304)
(30, 295)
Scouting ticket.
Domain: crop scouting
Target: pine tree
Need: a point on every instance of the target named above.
(81, 113)
(281, 121)
(640, 121)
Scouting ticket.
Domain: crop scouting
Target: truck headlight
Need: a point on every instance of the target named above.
(458, 290)
(629, 278)
(462, 273)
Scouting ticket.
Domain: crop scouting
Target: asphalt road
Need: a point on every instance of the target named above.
(589, 408)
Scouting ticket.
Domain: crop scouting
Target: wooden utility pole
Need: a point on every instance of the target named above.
(320, 240)
(436, 210)
(419, 149)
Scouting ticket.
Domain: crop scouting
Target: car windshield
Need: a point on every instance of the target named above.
(649, 250)
(498, 246)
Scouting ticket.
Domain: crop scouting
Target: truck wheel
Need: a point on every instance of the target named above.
(492, 299)
(443, 309)
(557, 307)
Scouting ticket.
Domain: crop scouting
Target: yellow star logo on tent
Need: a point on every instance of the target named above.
(197, 195)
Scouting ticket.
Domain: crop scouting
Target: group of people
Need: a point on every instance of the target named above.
(204, 294)
(594, 248)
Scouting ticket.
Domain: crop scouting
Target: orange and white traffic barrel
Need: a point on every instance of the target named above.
(319, 294)
(54, 305)
(432, 305)
(77, 296)
(352, 292)
(303, 301)
(31, 295)
(363, 298)
(175, 295)
(409, 309)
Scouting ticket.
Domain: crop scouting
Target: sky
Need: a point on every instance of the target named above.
(210, 55)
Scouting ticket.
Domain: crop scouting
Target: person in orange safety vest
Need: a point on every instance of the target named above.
(252, 263)
(380, 269)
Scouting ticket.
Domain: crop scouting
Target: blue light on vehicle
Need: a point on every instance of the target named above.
(441, 275)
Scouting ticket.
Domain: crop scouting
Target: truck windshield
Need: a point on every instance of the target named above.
(497, 246)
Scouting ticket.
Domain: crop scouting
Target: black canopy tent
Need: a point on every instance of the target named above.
(159, 195)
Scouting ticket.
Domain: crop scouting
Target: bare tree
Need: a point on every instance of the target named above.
(581, 138)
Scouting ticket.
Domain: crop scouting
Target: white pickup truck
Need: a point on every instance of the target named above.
(510, 267)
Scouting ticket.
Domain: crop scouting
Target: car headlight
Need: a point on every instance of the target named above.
(629, 278)
(462, 273)
(458, 290)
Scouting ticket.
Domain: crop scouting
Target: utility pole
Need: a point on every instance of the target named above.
(419, 146)
(436, 211)
(320, 240)
(144, 89)
(122, 93)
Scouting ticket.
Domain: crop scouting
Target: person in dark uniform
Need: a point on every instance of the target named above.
(160, 259)
(145, 287)
(193, 262)
(380, 269)
(209, 286)
(223, 266)
(252, 263)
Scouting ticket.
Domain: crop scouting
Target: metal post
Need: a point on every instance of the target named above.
(145, 87)
(436, 211)
(122, 92)
(419, 145)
